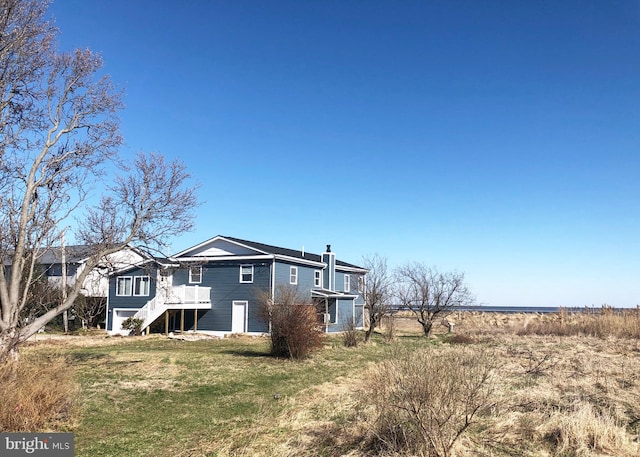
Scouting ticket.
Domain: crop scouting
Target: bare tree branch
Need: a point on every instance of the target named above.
(58, 126)
(376, 291)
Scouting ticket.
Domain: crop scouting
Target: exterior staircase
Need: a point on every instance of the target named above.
(179, 297)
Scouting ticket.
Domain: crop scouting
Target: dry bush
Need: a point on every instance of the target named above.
(458, 338)
(36, 394)
(389, 326)
(295, 332)
(420, 402)
(294, 327)
(350, 335)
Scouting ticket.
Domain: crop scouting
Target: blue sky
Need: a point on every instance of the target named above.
(496, 138)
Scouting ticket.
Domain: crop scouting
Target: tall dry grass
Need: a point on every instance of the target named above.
(37, 393)
(583, 430)
(603, 323)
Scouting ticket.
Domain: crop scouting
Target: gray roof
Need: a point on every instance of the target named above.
(73, 254)
(288, 252)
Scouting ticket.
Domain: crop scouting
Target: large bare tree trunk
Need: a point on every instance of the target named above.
(58, 127)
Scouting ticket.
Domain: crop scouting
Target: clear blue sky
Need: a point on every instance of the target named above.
(497, 138)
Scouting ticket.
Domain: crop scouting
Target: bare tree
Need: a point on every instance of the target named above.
(90, 309)
(376, 290)
(429, 293)
(58, 127)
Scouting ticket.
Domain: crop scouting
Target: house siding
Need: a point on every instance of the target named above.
(129, 301)
(344, 308)
(340, 281)
(224, 280)
(305, 277)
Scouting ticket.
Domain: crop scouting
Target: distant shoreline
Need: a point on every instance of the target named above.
(531, 309)
(535, 309)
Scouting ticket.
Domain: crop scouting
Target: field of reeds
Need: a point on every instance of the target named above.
(565, 384)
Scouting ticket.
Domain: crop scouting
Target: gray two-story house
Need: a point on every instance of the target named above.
(217, 287)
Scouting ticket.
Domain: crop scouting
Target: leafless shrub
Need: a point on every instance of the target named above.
(35, 394)
(537, 364)
(350, 335)
(421, 402)
(459, 338)
(295, 330)
(389, 326)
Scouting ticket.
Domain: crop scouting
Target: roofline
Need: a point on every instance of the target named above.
(132, 266)
(226, 257)
(302, 260)
(138, 251)
(299, 260)
(352, 269)
(217, 237)
(334, 294)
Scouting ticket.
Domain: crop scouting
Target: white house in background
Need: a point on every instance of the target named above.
(75, 257)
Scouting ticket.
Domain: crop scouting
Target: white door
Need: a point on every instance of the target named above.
(165, 281)
(239, 317)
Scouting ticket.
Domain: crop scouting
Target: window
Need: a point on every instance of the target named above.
(141, 285)
(293, 275)
(246, 273)
(123, 285)
(317, 278)
(195, 275)
(347, 283)
(361, 284)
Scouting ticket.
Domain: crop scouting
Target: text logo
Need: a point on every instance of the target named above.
(36, 444)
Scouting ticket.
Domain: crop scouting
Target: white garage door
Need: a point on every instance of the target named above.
(119, 315)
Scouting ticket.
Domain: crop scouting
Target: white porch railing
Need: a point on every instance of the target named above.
(180, 297)
(189, 294)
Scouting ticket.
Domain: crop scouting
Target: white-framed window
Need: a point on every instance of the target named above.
(293, 275)
(141, 286)
(361, 284)
(246, 273)
(317, 278)
(195, 275)
(347, 283)
(123, 286)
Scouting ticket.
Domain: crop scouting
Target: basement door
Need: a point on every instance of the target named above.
(239, 317)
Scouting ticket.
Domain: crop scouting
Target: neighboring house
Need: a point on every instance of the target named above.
(216, 287)
(96, 284)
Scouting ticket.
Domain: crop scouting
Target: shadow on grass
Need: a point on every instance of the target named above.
(246, 352)
(86, 356)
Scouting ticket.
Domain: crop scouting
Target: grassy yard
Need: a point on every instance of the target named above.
(552, 395)
(155, 396)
